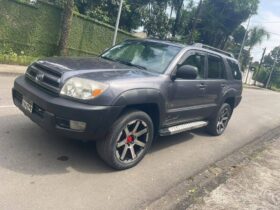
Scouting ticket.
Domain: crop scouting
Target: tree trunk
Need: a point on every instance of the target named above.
(66, 27)
(178, 15)
(197, 14)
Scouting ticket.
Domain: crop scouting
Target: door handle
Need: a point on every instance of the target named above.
(223, 84)
(201, 86)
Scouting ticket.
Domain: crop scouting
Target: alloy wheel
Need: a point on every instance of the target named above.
(131, 141)
(223, 120)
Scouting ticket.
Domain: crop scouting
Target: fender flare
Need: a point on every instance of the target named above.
(142, 96)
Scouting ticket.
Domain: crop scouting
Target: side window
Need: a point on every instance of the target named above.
(216, 68)
(235, 70)
(198, 61)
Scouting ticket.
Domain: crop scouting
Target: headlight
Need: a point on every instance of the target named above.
(83, 88)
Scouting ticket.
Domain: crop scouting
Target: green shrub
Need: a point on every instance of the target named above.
(35, 30)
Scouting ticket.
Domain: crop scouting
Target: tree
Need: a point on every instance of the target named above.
(178, 4)
(263, 75)
(220, 18)
(66, 26)
(155, 20)
(256, 36)
(106, 11)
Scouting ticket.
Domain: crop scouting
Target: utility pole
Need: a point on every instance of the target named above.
(117, 22)
(244, 39)
(260, 65)
(248, 72)
(190, 41)
(273, 68)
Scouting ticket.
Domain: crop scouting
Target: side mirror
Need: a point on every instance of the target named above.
(187, 72)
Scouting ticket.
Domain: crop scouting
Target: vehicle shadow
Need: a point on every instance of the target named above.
(28, 149)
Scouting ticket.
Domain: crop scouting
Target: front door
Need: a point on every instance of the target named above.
(187, 97)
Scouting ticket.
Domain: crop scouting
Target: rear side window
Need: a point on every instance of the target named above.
(235, 70)
(216, 68)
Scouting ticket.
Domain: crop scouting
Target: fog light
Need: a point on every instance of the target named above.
(77, 125)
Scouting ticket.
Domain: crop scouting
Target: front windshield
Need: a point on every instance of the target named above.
(152, 56)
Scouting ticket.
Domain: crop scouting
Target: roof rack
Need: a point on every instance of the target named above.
(200, 45)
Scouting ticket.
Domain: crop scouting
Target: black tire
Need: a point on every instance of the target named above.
(217, 126)
(121, 140)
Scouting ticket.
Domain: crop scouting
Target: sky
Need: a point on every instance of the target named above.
(269, 18)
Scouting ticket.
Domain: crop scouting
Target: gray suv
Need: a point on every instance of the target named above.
(130, 94)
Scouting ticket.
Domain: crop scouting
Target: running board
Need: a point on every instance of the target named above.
(182, 128)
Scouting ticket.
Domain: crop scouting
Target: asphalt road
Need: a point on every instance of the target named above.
(41, 171)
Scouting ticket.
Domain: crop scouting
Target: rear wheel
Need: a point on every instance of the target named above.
(218, 124)
(128, 141)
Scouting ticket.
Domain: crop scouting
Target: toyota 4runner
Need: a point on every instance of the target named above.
(130, 94)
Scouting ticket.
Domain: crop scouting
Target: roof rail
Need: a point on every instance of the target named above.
(200, 45)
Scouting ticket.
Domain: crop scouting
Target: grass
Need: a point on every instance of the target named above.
(23, 60)
(275, 88)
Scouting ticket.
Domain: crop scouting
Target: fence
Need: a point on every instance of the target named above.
(34, 30)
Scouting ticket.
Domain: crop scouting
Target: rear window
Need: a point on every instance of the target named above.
(234, 67)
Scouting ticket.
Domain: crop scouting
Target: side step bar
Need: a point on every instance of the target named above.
(182, 128)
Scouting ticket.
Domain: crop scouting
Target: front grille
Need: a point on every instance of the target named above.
(44, 77)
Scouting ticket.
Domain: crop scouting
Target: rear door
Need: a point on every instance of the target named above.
(216, 81)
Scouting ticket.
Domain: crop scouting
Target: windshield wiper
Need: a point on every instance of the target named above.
(124, 62)
(131, 64)
(110, 59)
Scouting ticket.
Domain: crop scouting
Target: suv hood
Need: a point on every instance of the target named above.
(97, 69)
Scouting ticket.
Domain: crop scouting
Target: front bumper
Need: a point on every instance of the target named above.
(51, 112)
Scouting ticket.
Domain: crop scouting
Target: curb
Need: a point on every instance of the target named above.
(193, 188)
(12, 69)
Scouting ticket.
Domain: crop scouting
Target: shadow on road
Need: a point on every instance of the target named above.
(28, 149)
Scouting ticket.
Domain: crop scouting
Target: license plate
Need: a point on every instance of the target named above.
(27, 105)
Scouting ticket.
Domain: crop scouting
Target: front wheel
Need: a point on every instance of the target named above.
(128, 141)
(218, 124)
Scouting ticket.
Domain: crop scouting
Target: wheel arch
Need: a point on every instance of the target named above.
(149, 101)
(230, 98)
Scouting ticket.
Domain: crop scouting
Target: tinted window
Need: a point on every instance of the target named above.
(216, 68)
(196, 60)
(235, 70)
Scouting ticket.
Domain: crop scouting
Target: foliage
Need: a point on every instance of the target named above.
(155, 21)
(263, 74)
(35, 30)
(217, 23)
(220, 18)
(8, 56)
(256, 36)
(19, 59)
(106, 11)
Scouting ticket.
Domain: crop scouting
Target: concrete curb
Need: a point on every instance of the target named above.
(193, 188)
(12, 69)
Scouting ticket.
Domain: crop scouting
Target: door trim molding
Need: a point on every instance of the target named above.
(184, 109)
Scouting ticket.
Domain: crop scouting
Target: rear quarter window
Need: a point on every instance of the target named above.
(235, 70)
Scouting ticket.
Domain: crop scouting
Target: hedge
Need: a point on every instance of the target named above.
(35, 29)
